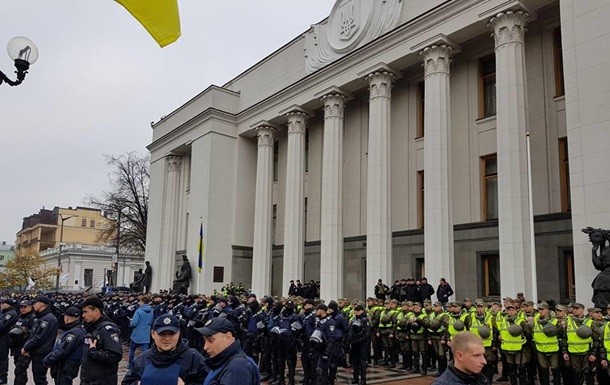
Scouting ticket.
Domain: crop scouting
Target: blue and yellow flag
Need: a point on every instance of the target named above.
(200, 248)
(160, 18)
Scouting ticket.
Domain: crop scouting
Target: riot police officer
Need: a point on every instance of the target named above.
(327, 340)
(308, 320)
(287, 328)
(360, 342)
(103, 350)
(7, 321)
(18, 335)
(65, 358)
(40, 343)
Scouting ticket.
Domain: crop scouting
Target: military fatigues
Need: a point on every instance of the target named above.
(404, 340)
(67, 354)
(579, 349)
(438, 341)
(100, 365)
(419, 342)
(482, 325)
(374, 314)
(547, 349)
(387, 322)
(512, 346)
(7, 321)
(40, 343)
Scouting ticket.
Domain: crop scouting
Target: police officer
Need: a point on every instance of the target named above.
(287, 326)
(103, 350)
(168, 359)
(40, 343)
(7, 321)
(67, 354)
(254, 320)
(308, 320)
(18, 335)
(360, 343)
(326, 339)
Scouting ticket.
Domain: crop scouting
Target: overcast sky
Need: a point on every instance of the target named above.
(101, 79)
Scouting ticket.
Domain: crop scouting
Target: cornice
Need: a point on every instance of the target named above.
(191, 124)
(399, 35)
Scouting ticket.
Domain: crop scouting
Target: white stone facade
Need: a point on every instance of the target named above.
(306, 165)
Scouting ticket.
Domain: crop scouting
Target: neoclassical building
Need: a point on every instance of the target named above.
(394, 139)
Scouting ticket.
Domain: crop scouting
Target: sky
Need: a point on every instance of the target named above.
(101, 79)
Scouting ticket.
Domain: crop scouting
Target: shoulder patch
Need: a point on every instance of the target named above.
(70, 337)
(115, 337)
(108, 327)
(43, 324)
(332, 328)
(8, 316)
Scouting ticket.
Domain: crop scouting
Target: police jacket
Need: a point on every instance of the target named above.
(23, 327)
(103, 360)
(308, 320)
(331, 335)
(70, 345)
(454, 376)
(157, 367)
(44, 332)
(360, 330)
(7, 321)
(232, 367)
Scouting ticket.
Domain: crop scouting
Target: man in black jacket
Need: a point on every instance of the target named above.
(468, 361)
(444, 291)
(42, 338)
(103, 350)
(7, 321)
(425, 289)
(67, 353)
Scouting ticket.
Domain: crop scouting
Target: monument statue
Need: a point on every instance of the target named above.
(147, 280)
(136, 285)
(183, 277)
(600, 256)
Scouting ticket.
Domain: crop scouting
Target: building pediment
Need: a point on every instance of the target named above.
(351, 24)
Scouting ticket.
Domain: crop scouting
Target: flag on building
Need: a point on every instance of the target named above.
(200, 248)
(160, 18)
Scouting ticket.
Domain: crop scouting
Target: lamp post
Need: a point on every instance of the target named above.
(24, 52)
(61, 240)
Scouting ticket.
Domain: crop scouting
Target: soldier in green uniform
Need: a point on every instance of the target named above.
(481, 324)
(419, 328)
(580, 345)
(512, 339)
(374, 315)
(386, 333)
(545, 330)
(436, 333)
(403, 319)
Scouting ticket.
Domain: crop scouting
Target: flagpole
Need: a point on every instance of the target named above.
(531, 219)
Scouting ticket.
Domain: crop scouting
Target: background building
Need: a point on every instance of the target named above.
(86, 259)
(389, 140)
(7, 252)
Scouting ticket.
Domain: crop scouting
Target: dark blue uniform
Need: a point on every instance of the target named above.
(360, 342)
(329, 351)
(18, 335)
(7, 321)
(308, 320)
(287, 345)
(65, 358)
(158, 368)
(100, 365)
(41, 343)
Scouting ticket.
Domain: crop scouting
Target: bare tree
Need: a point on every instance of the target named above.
(128, 195)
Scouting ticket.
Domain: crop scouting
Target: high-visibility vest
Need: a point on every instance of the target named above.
(450, 329)
(387, 319)
(421, 316)
(510, 343)
(544, 343)
(475, 323)
(576, 344)
(440, 316)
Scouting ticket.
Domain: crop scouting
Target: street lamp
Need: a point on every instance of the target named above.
(61, 240)
(24, 52)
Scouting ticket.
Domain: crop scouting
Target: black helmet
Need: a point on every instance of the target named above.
(458, 325)
(584, 331)
(435, 324)
(550, 330)
(515, 330)
(484, 332)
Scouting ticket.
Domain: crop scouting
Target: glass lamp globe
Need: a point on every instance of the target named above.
(22, 48)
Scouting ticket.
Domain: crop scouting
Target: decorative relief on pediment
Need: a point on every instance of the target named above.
(351, 24)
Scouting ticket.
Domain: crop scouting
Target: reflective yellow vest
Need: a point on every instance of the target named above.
(576, 344)
(544, 343)
(440, 316)
(421, 316)
(606, 340)
(510, 343)
(475, 323)
(387, 319)
(402, 321)
(450, 329)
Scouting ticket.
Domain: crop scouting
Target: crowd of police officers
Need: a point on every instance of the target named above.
(546, 341)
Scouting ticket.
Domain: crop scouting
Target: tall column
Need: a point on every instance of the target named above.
(169, 225)
(511, 126)
(378, 198)
(263, 212)
(438, 210)
(294, 221)
(331, 216)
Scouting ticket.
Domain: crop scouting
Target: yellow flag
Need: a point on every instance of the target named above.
(159, 17)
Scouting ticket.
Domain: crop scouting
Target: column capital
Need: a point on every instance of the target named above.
(436, 59)
(174, 162)
(509, 27)
(334, 99)
(297, 119)
(380, 78)
(265, 132)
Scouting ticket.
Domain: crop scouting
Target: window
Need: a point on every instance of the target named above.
(219, 274)
(421, 109)
(487, 86)
(420, 199)
(274, 224)
(88, 277)
(92, 223)
(306, 149)
(305, 222)
(83, 222)
(564, 175)
(558, 60)
(276, 160)
(489, 169)
(490, 268)
(420, 268)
